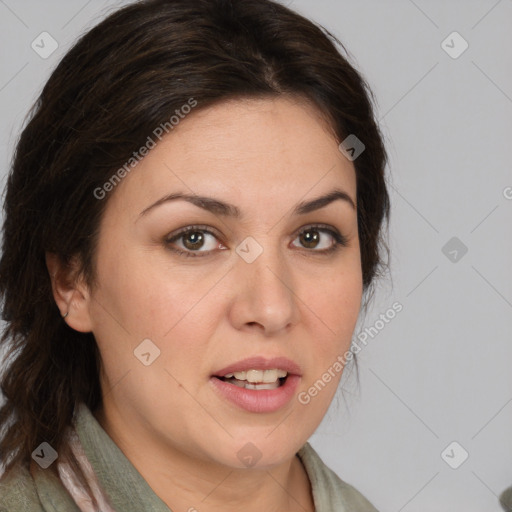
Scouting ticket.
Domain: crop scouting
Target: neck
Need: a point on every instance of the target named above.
(206, 486)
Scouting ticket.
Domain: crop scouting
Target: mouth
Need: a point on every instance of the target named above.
(257, 384)
(256, 379)
(258, 372)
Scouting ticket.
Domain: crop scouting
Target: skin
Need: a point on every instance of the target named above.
(264, 156)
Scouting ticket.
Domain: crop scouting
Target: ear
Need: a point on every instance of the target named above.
(70, 292)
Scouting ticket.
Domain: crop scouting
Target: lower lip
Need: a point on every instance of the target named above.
(252, 400)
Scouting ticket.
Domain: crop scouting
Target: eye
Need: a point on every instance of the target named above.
(311, 238)
(192, 239)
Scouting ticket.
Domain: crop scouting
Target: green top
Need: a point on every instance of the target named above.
(129, 492)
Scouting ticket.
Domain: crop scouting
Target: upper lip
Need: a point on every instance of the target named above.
(261, 363)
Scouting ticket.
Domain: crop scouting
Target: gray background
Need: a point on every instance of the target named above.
(440, 370)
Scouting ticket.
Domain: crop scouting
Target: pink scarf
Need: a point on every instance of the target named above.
(78, 477)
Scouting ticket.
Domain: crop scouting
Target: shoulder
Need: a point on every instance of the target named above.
(506, 499)
(329, 491)
(18, 491)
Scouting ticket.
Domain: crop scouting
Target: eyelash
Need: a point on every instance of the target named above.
(339, 239)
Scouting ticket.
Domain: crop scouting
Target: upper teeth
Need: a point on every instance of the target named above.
(258, 375)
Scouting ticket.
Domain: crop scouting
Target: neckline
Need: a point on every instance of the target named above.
(112, 466)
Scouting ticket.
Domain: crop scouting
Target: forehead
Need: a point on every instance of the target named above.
(253, 150)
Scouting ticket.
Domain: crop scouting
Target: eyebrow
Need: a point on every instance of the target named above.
(218, 207)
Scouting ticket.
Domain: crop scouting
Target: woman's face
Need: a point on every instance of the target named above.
(170, 312)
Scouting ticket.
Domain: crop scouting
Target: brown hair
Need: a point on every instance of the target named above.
(120, 81)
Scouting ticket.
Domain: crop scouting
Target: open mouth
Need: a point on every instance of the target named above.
(242, 383)
(256, 385)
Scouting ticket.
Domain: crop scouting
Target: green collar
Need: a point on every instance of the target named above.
(129, 492)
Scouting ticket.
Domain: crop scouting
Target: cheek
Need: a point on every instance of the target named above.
(337, 302)
(346, 305)
(149, 298)
(334, 312)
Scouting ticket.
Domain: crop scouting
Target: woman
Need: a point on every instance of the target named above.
(192, 219)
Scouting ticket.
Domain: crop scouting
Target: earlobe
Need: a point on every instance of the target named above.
(70, 292)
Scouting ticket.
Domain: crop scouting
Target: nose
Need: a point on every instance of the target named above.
(264, 296)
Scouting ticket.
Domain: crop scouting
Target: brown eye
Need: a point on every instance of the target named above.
(193, 240)
(309, 238)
